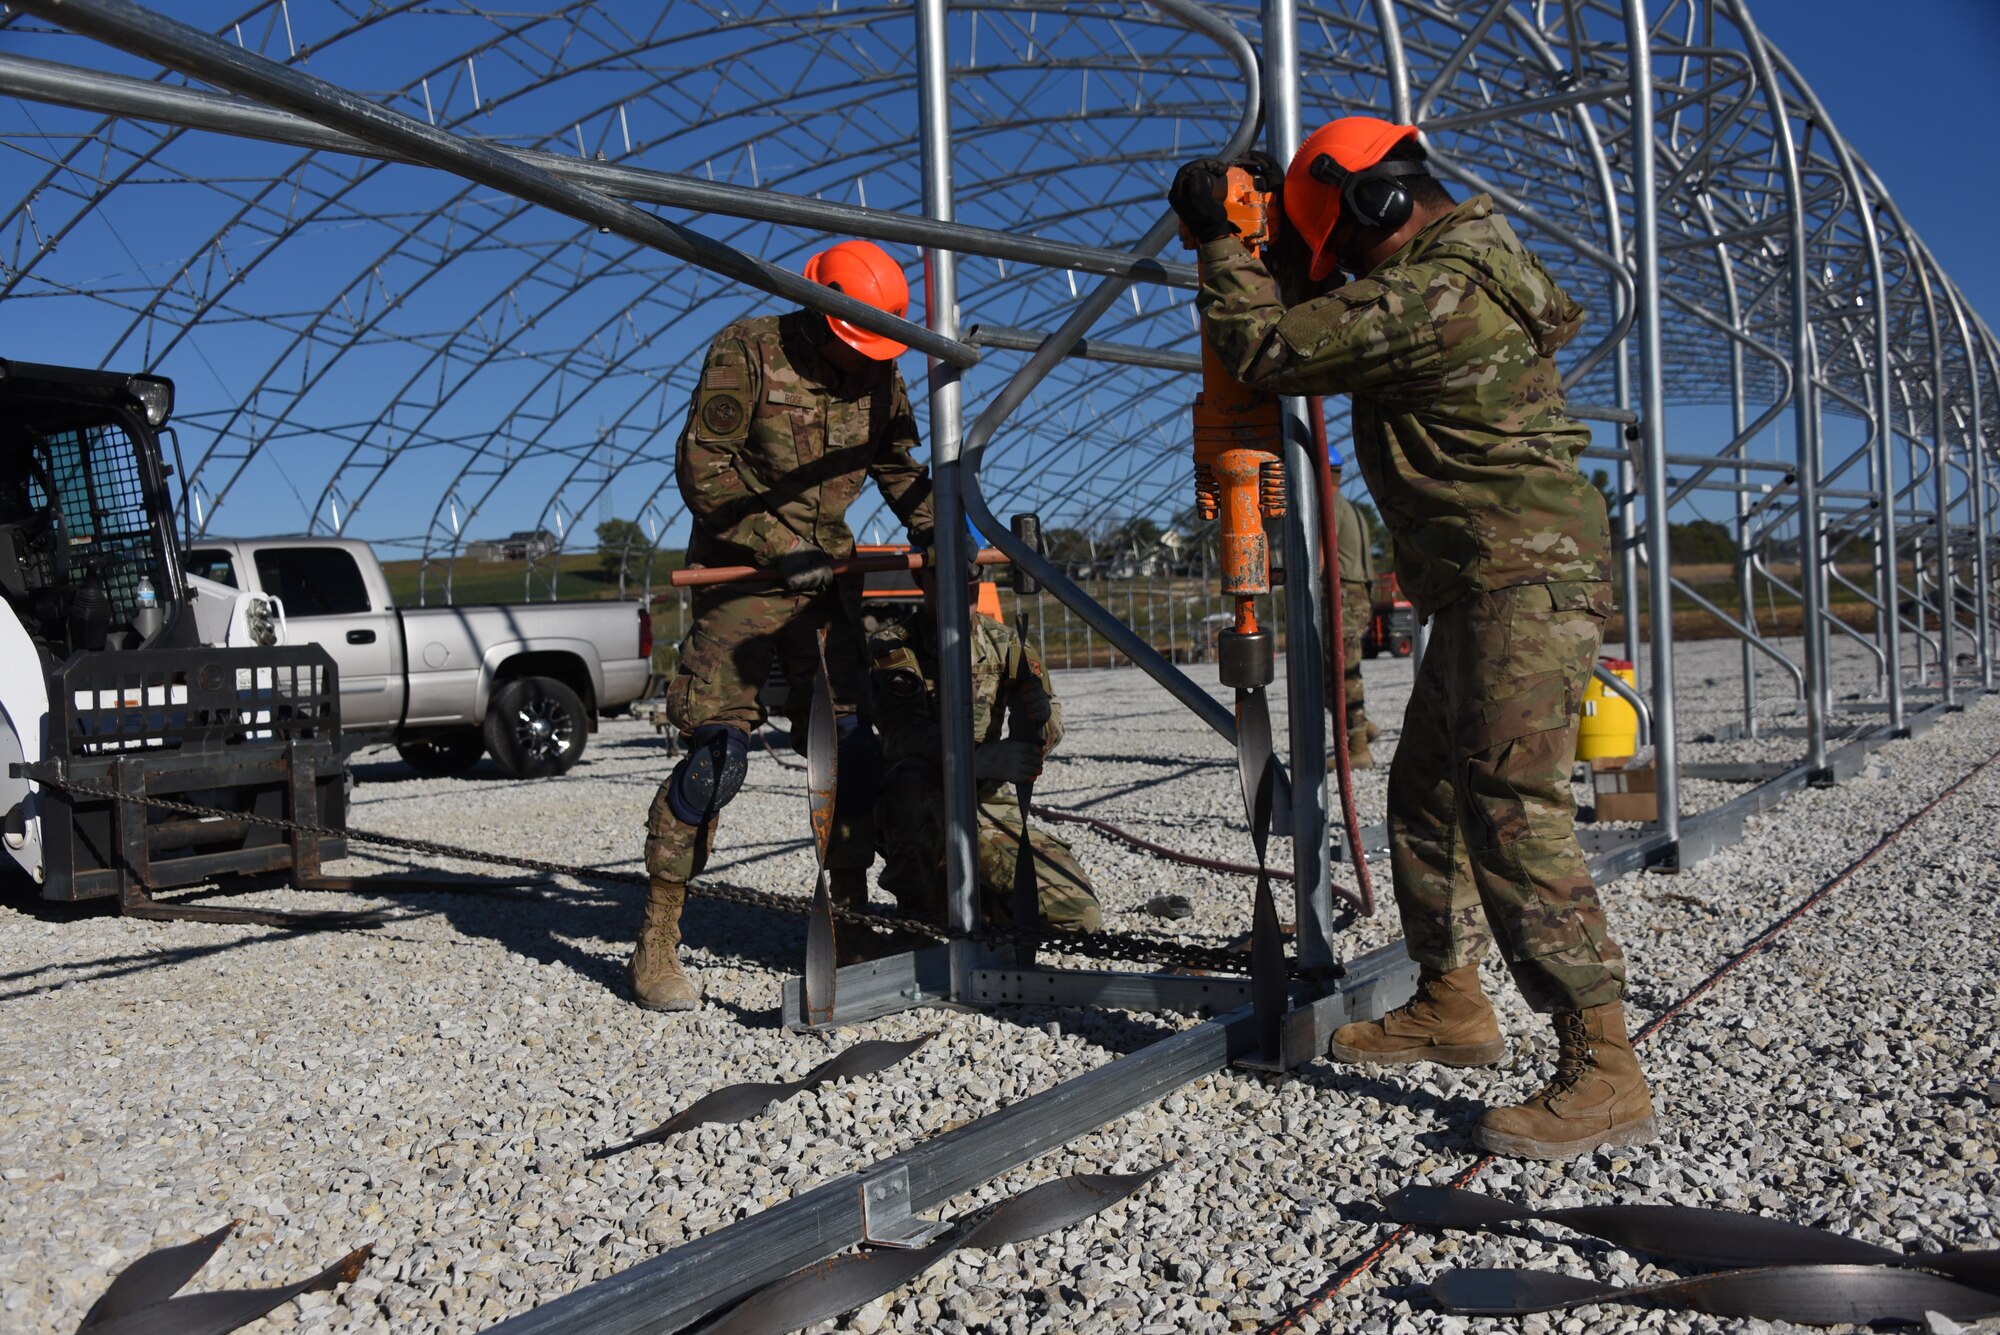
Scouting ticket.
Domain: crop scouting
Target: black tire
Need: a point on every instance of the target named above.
(535, 727)
(443, 753)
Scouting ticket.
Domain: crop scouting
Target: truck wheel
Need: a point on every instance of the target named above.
(535, 727)
(443, 753)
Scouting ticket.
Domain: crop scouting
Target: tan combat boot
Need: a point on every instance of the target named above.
(658, 981)
(1596, 1097)
(1359, 753)
(1448, 1021)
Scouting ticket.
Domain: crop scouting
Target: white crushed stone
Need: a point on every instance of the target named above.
(432, 1087)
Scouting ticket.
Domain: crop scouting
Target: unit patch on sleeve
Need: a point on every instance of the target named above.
(722, 412)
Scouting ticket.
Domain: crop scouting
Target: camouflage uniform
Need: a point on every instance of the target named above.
(1356, 570)
(1008, 686)
(774, 450)
(1461, 429)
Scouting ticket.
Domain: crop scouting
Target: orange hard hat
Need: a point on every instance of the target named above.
(1312, 203)
(864, 271)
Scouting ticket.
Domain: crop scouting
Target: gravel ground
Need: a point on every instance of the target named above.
(433, 1086)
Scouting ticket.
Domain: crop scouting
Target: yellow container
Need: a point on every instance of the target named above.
(1609, 728)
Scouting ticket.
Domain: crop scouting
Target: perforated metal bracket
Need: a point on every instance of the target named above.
(886, 1220)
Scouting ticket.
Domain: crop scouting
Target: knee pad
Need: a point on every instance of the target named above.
(860, 759)
(710, 774)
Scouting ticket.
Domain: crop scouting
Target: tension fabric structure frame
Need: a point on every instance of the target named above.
(1762, 266)
(1767, 267)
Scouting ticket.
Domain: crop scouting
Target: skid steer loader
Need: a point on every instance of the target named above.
(121, 677)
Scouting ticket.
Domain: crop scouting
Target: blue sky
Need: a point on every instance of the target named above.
(1911, 84)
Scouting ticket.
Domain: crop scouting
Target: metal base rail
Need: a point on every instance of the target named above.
(695, 1280)
(698, 1279)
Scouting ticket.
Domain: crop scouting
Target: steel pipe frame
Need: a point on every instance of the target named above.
(1652, 422)
(473, 506)
(144, 33)
(1885, 366)
(1010, 396)
(188, 108)
(1306, 628)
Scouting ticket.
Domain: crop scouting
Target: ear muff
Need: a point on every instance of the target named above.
(1374, 195)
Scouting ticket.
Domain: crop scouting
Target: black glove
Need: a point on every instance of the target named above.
(1196, 195)
(1007, 761)
(806, 570)
(1264, 169)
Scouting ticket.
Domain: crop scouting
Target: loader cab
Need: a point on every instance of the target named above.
(85, 519)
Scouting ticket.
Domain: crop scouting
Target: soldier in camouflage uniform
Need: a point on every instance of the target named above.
(1356, 571)
(1016, 723)
(1445, 341)
(791, 412)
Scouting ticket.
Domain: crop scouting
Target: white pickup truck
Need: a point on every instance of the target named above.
(524, 681)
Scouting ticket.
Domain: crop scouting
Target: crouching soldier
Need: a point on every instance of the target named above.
(791, 412)
(1016, 722)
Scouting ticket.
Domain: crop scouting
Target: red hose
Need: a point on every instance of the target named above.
(1329, 538)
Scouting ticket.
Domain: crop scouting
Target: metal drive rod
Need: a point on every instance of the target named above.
(178, 46)
(1099, 618)
(961, 871)
(1305, 606)
(1652, 416)
(194, 109)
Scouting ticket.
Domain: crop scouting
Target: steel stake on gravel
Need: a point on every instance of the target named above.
(1685, 1233)
(735, 1103)
(822, 782)
(140, 1298)
(1269, 993)
(843, 1283)
(1813, 1295)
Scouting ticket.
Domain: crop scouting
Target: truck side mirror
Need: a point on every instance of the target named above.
(1028, 528)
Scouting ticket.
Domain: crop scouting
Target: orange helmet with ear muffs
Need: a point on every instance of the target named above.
(864, 271)
(1340, 166)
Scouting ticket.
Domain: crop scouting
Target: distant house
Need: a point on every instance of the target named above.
(527, 545)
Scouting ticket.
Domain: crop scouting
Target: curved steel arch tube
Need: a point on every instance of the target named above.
(132, 28)
(1099, 618)
(189, 108)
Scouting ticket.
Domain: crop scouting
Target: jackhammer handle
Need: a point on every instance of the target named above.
(695, 577)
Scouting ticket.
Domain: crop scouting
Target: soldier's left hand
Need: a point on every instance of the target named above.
(806, 570)
(1196, 195)
(1007, 761)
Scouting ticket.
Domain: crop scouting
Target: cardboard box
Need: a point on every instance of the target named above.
(1627, 788)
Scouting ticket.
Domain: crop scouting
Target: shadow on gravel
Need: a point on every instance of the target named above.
(1458, 1114)
(164, 956)
(18, 894)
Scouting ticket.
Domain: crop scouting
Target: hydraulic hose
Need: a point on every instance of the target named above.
(1328, 478)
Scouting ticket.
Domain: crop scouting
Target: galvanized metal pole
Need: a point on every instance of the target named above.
(1746, 589)
(1652, 415)
(1975, 443)
(961, 870)
(1305, 605)
(1396, 71)
(1812, 516)
(1805, 394)
(1941, 488)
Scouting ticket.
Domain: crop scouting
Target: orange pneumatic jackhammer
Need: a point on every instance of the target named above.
(1239, 479)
